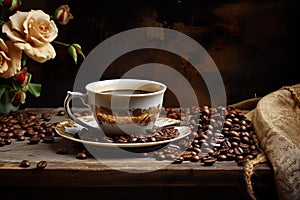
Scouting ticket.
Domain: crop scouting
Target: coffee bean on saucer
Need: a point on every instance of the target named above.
(25, 163)
(42, 164)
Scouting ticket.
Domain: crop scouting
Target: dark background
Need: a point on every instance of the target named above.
(254, 43)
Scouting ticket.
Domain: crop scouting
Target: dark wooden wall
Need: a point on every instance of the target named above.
(254, 43)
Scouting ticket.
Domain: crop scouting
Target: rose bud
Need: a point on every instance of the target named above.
(63, 15)
(73, 50)
(11, 4)
(19, 97)
(21, 78)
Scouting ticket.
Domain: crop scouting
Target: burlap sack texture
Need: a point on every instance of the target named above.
(276, 121)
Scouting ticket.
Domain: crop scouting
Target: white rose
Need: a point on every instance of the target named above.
(10, 59)
(32, 32)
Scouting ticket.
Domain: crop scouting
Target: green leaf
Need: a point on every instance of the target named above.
(35, 89)
(2, 90)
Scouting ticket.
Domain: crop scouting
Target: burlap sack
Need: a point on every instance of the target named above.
(276, 120)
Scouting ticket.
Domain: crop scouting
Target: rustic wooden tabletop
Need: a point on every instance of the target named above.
(67, 177)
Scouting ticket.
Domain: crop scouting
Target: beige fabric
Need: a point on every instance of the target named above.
(276, 120)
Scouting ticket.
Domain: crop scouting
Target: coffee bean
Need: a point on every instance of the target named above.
(25, 163)
(42, 135)
(48, 139)
(5, 129)
(196, 149)
(61, 113)
(62, 151)
(7, 141)
(151, 139)
(34, 139)
(9, 134)
(208, 161)
(238, 151)
(42, 164)
(195, 158)
(245, 139)
(227, 123)
(31, 113)
(46, 116)
(81, 155)
(21, 138)
(252, 147)
(233, 134)
(178, 160)
(222, 157)
(29, 132)
(3, 135)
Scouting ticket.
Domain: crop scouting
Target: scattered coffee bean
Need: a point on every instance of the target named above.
(81, 155)
(62, 151)
(61, 113)
(25, 163)
(42, 164)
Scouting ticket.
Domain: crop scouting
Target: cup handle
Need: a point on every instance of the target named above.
(84, 99)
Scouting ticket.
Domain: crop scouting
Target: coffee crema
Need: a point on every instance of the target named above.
(125, 92)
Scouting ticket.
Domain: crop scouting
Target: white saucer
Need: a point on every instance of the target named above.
(69, 128)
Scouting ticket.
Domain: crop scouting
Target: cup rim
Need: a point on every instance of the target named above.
(91, 87)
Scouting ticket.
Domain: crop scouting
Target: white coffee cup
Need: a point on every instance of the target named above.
(121, 106)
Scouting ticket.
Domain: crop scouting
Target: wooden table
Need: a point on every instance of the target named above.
(66, 177)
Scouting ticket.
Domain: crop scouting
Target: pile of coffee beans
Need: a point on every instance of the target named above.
(219, 134)
(26, 125)
(29, 126)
